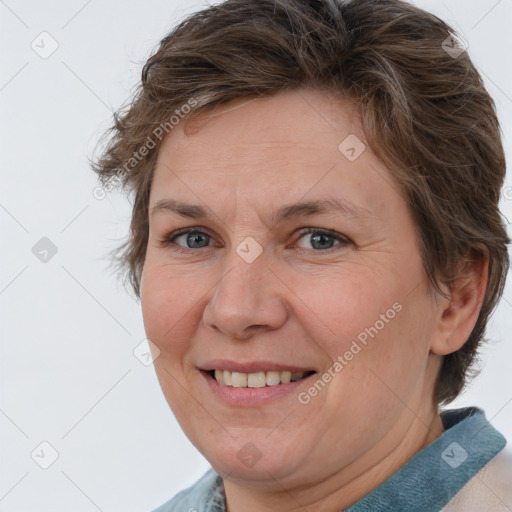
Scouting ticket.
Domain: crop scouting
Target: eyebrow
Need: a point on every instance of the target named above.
(299, 209)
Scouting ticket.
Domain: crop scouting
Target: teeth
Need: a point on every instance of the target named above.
(238, 380)
(273, 378)
(286, 377)
(219, 376)
(256, 380)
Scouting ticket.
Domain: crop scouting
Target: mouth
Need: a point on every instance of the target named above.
(248, 384)
(259, 379)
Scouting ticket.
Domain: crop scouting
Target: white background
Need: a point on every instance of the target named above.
(68, 329)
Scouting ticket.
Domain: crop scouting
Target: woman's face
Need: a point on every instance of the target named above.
(303, 263)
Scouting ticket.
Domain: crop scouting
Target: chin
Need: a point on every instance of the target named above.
(253, 458)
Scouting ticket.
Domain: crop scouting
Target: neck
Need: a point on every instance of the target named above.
(351, 483)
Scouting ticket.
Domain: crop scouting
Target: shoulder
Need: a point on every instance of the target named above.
(490, 489)
(195, 498)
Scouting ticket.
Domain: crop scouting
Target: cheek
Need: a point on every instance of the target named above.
(378, 344)
(343, 306)
(372, 322)
(167, 314)
(167, 302)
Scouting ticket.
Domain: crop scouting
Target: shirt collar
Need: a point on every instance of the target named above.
(429, 480)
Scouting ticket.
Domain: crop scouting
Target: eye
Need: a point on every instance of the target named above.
(321, 239)
(191, 238)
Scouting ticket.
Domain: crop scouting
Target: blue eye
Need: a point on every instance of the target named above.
(194, 239)
(321, 239)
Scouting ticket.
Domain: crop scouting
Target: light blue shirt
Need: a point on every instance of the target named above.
(426, 483)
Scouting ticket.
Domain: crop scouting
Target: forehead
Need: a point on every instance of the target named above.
(287, 117)
(280, 148)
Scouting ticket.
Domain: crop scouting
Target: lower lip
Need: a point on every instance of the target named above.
(251, 397)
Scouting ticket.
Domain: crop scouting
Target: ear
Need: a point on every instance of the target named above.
(457, 315)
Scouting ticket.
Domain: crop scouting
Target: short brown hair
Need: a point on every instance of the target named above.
(425, 113)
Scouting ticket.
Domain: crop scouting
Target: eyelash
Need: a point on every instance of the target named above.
(168, 240)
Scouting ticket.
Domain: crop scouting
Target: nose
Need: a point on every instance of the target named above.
(247, 299)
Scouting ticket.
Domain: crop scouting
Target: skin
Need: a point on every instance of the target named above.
(296, 303)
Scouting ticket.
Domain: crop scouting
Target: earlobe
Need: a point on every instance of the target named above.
(459, 313)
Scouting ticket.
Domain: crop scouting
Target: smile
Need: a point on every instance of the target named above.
(253, 383)
(258, 379)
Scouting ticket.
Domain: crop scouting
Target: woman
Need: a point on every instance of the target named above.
(317, 247)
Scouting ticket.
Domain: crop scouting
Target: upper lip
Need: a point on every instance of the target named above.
(252, 367)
